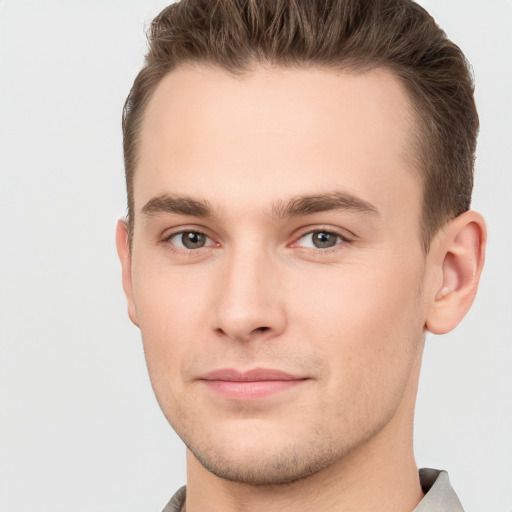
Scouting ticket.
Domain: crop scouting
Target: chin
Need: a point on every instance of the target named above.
(260, 467)
(252, 454)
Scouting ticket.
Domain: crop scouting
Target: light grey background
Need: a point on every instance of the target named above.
(80, 428)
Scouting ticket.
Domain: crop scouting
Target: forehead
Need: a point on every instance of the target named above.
(279, 130)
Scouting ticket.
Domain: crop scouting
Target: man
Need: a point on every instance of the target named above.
(299, 178)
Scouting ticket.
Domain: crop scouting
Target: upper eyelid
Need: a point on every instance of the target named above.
(179, 250)
(335, 233)
(172, 232)
(345, 234)
(166, 237)
(342, 241)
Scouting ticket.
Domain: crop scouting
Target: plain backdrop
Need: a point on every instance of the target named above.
(80, 430)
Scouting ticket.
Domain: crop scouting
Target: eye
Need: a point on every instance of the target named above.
(190, 240)
(320, 240)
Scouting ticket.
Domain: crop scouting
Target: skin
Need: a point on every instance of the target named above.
(238, 160)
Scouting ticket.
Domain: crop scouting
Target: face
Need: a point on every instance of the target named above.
(276, 271)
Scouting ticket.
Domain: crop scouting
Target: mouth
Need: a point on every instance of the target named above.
(255, 384)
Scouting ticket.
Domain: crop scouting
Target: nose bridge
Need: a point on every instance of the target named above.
(248, 302)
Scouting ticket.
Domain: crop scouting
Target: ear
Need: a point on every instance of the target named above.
(123, 251)
(459, 255)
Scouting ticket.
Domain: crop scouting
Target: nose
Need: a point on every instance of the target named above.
(249, 300)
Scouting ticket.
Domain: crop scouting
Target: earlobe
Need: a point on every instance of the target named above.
(123, 251)
(460, 256)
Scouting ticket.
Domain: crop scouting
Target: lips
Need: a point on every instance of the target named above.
(255, 384)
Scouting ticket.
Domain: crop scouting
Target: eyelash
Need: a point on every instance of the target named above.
(343, 239)
(184, 250)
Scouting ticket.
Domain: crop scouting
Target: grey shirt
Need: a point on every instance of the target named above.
(439, 495)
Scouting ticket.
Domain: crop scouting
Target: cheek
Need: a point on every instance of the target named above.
(167, 298)
(361, 296)
(367, 321)
(171, 315)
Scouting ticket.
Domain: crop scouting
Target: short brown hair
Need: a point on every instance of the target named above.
(353, 34)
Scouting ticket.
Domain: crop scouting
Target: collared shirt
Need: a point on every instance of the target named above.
(439, 495)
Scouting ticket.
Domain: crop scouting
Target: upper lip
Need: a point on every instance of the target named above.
(254, 375)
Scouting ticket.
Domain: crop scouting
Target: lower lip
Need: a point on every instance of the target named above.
(252, 390)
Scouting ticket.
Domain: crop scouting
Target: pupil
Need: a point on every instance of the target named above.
(193, 240)
(321, 239)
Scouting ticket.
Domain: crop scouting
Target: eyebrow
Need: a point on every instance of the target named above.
(180, 205)
(293, 207)
(333, 201)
